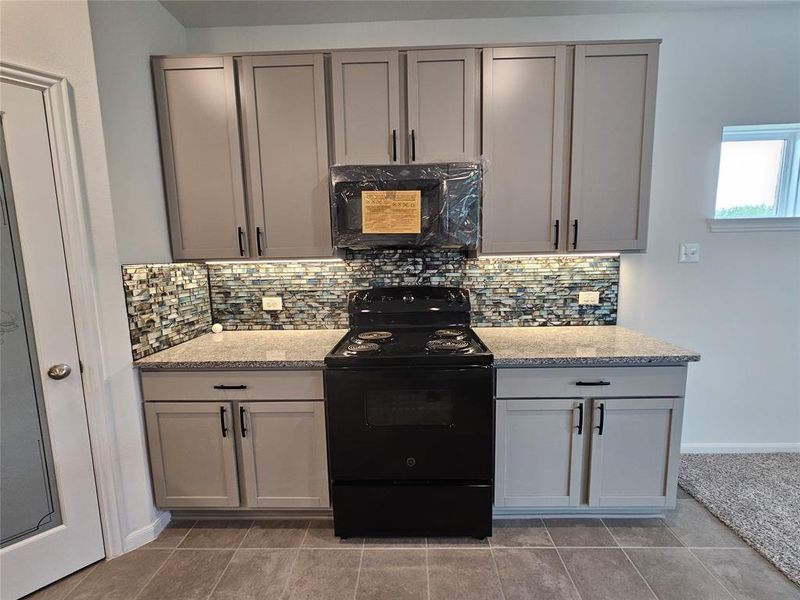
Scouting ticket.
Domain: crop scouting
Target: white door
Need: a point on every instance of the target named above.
(50, 522)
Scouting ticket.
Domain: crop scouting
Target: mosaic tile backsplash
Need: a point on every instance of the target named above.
(166, 304)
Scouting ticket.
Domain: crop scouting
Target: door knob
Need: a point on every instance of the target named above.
(60, 371)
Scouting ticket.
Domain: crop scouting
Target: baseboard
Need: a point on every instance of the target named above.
(739, 448)
(146, 534)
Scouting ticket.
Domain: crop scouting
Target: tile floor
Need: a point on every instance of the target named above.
(689, 555)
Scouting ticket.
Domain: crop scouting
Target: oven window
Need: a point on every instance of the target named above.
(404, 408)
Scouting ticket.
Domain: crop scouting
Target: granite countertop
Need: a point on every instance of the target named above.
(275, 349)
(512, 347)
(578, 346)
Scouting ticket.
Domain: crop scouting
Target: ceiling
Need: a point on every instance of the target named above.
(232, 13)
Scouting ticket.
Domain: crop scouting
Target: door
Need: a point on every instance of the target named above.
(635, 452)
(443, 103)
(284, 459)
(524, 108)
(201, 156)
(366, 107)
(192, 454)
(49, 516)
(286, 135)
(612, 146)
(539, 452)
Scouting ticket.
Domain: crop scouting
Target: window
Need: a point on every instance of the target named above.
(758, 172)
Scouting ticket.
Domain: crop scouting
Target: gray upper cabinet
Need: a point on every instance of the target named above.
(524, 108)
(612, 141)
(443, 101)
(286, 154)
(366, 107)
(201, 155)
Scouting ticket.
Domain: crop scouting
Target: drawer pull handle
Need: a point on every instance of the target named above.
(592, 383)
(579, 426)
(230, 387)
(601, 426)
(222, 422)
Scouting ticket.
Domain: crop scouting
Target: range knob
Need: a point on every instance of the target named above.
(408, 298)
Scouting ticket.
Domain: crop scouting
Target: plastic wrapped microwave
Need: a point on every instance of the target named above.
(406, 206)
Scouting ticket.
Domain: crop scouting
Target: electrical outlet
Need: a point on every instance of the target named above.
(689, 252)
(588, 297)
(272, 303)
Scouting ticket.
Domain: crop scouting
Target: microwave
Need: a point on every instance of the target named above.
(434, 206)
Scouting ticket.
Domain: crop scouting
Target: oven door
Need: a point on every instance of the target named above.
(409, 425)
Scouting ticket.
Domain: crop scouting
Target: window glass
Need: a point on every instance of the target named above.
(749, 178)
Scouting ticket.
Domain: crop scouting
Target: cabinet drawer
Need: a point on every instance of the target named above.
(232, 385)
(594, 382)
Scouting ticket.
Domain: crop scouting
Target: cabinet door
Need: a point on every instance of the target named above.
(366, 107)
(539, 453)
(192, 454)
(635, 452)
(284, 454)
(201, 156)
(524, 106)
(442, 106)
(285, 126)
(612, 145)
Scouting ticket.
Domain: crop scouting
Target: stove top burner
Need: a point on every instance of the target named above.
(373, 336)
(450, 333)
(447, 345)
(362, 348)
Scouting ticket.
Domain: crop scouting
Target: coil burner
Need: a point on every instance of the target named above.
(362, 348)
(447, 345)
(372, 336)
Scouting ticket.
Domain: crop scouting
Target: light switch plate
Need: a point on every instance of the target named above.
(689, 252)
(272, 303)
(588, 297)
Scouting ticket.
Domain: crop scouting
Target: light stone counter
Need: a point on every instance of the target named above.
(602, 345)
(284, 349)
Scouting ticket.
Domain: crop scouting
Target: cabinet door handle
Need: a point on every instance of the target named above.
(223, 425)
(394, 145)
(592, 383)
(242, 413)
(258, 241)
(579, 426)
(230, 387)
(601, 426)
(413, 146)
(575, 235)
(241, 241)
(558, 228)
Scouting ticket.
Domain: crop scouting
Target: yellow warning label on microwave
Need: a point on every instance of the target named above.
(391, 211)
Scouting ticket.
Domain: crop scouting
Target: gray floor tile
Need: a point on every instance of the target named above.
(464, 574)
(172, 535)
(519, 532)
(696, 527)
(121, 578)
(604, 574)
(457, 542)
(284, 533)
(187, 575)
(747, 575)
(675, 574)
(642, 533)
(399, 542)
(324, 574)
(579, 532)
(216, 534)
(59, 589)
(256, 573)
(320, 535)
(393, 575)
(527, 573)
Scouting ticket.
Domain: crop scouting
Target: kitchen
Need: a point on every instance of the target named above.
(381, 315)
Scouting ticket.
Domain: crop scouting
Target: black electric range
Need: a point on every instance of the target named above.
(410, 417)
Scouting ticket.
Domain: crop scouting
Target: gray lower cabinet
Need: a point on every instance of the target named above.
(284, 124)
(192, 454)
(284, 456)
(201, 156)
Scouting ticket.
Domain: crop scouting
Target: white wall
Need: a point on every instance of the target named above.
(56, 37)
(125, 34)
(739, 305)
